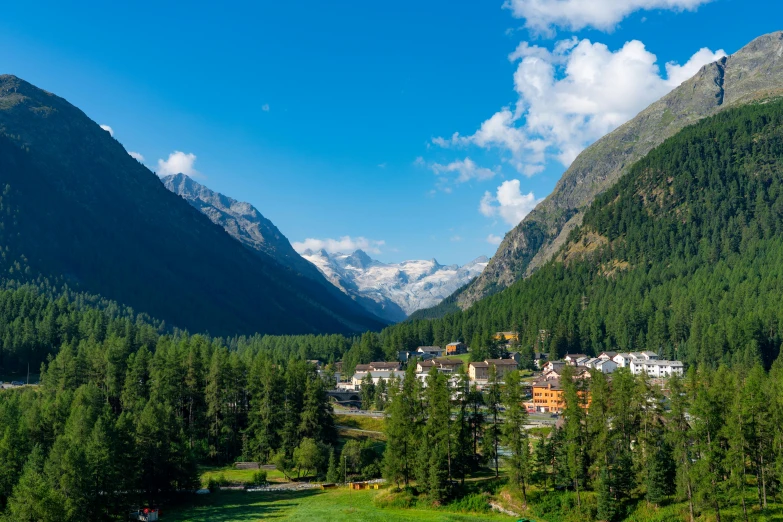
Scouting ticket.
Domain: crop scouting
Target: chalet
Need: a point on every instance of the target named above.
(554, 366)
(623, 360)
(435, 351)
(443, 365)
(607, 356)
(574, 358)
(456, 348)
(479, 371)
(605, 366)
(376, 366)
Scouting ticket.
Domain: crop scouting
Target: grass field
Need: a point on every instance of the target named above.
(237, 476)
(310, 505)
(360, 422)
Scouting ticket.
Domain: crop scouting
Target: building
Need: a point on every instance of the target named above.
(607, 356)
(376, 376)
(605, 366)
(553, 366)
(456, 348)
(540, 359)
(435, 351)
(443, 365)
(506, 337)
(548, 392)
(479, 371)
(574, 358)
(656, 368)
(376, 366)
(623, 360)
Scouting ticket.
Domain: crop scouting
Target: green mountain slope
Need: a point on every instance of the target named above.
(683, 256)
(76, 206)
(753, 72)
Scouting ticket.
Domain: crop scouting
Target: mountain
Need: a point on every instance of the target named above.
(243, 222)
(682, 256)
(76, 208)
(399, 289)
(754, 72)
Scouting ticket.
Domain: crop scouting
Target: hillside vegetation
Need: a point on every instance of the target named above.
(684, 256)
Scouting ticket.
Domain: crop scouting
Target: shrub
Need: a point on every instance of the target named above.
(259, 478)
(474, 503)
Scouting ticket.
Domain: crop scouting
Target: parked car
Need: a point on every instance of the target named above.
(17, 383)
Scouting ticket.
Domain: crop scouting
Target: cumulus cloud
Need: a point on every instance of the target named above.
(108, 129)
(466, 170)
(541, 16)
(508, 203)
(137, 156)
(178, 163)
(345, 244)
(492, 239)
(570, 96)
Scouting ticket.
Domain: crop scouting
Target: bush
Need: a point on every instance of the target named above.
(475, 503)
(259, 478)
(395, 499)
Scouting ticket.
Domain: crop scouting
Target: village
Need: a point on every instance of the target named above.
(542, 383)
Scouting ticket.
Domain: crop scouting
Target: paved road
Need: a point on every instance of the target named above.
(360, 413)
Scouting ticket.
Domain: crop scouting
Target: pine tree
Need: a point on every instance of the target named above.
(333, 471)
(514, 434)
(367, 391)
(492, 400)
(33, 498)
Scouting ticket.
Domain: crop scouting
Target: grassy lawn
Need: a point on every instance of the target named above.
(359, 422)
(237, 476)
(310, 505)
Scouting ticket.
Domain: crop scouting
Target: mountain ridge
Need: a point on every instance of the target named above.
(77, 206)
(407, 286)
(753, 72)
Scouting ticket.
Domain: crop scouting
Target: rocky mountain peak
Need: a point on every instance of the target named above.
(755, 72)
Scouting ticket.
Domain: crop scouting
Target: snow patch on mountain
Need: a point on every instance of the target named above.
(409, 285)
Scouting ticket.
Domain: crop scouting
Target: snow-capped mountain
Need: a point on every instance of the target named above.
(399, 289)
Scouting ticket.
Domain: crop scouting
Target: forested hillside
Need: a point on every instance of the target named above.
(76, 208)
(684, 256)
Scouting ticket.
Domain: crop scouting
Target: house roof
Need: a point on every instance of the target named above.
(479, 364)
(454, 344)
(362, 368)
(381, 374)
(611, 355)
(650, 354)
(574, 355)
(430, 349)
(501, 362)
(448, 362)
(384, 365)
(427, 363)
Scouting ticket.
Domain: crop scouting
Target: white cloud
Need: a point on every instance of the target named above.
(466, 170)
(345, 244)
(541, 16)
(455, 239)
(108, 129)
(137, 156)
(571, 96)
(492, 239)
(178, 163)
(265, 107)
(508, 202)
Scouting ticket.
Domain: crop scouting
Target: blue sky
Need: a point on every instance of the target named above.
(338, 119)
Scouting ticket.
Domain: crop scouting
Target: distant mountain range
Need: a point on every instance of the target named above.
(77, 209)
(389, 291)
(399, 288)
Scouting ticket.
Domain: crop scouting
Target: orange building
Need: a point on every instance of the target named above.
(507, 336)
(548, 392)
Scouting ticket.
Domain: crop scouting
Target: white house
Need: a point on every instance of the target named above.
(623, 360)
(605, 365)
(656, 368)
(573, 358)
(376, 376)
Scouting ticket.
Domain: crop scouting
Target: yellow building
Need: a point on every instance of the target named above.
(507, 336)
(548, 392)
